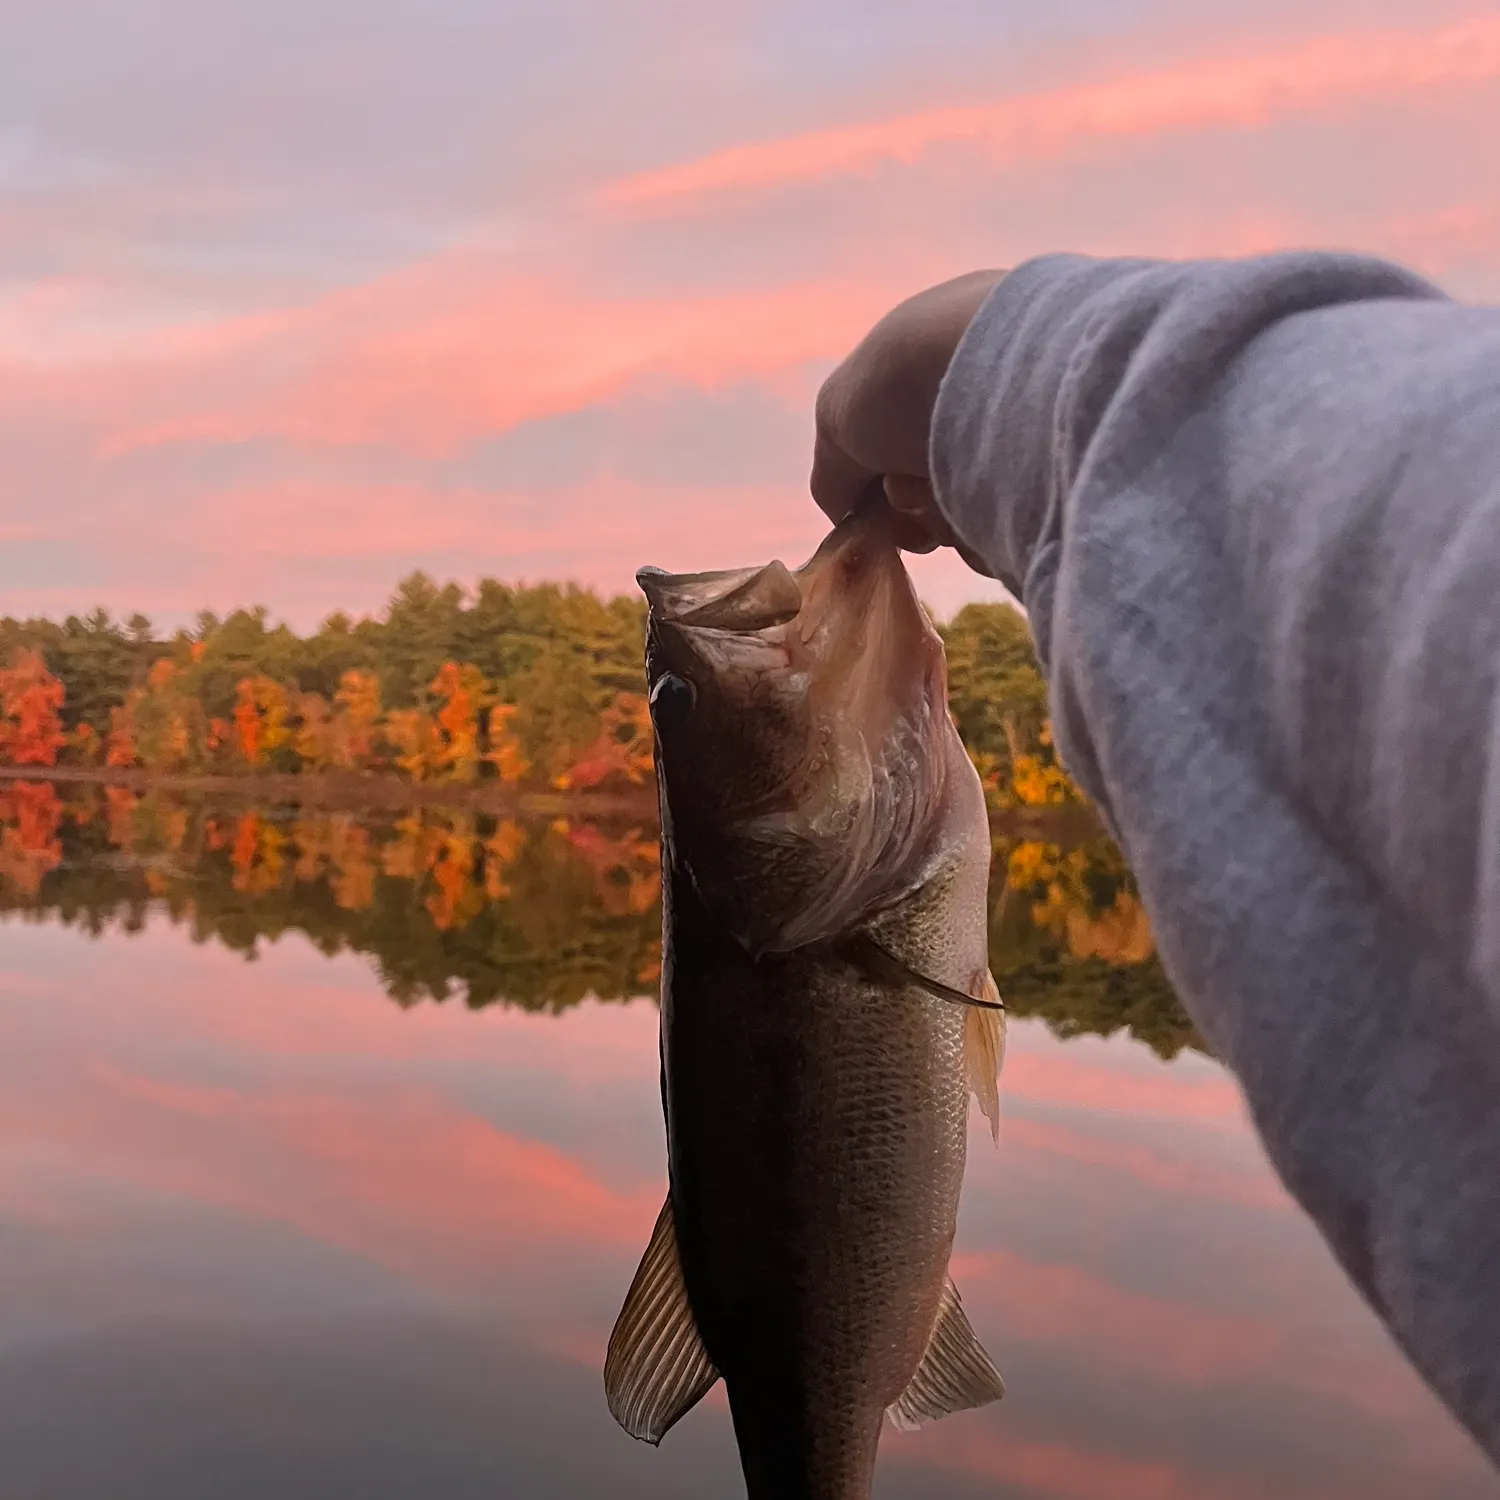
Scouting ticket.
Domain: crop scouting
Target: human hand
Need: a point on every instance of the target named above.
(874, 412)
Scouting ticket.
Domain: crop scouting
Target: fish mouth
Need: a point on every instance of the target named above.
(848, 618)
(745, 600)
(740, 600)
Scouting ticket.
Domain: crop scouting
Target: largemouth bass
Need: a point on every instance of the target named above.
(826, 1009)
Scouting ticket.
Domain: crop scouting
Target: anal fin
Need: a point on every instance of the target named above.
(984, 1051)
(656, 1369)
(955, 1374)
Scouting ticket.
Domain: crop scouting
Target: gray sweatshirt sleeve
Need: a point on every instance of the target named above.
(1253, 511)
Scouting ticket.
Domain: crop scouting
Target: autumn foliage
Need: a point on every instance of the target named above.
(30, 813)
(516, 687)
(31, 700)
(356, 720)
(623, 751)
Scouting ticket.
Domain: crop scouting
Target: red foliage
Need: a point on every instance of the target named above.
(29, 847)
(623, 751)
(31, 698)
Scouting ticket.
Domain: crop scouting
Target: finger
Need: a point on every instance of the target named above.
(912, 536)
(837, 481)
(906, 531)
(911, 494)
(908, 515)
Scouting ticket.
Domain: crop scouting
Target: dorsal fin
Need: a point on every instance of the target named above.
(955, 1373)
(657, 1369)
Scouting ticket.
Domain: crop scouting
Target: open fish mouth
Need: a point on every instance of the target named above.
(739, 599)
(745, 600)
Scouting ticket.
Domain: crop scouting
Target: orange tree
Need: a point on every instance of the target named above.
(31, 701)
(462, 691)
(260, 718)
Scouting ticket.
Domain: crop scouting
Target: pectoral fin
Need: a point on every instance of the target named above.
(984, 1052)
(880, 964)
(657, 1369)
(955, 1374)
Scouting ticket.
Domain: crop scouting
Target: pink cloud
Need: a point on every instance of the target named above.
(440, 353)
(396, 1176)
(613, 521)
(1053, 1076)
(1459, 239)
(1248, 1183)
(471, 342)
(310, 1125)
(1068, 1473)
(1318, 77)
(1065, 1307)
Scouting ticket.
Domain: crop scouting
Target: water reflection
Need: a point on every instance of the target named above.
(262, 1233)
(538, 915)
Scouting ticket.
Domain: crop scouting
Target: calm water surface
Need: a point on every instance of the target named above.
(276, 1218)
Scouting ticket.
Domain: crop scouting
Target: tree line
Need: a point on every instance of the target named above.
(496, 910)
(532, 686)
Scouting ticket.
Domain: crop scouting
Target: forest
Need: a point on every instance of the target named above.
(534, 686)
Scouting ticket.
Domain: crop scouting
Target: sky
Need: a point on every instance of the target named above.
(297, 297)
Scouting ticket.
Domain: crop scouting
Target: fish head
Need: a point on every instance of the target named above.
(803, 738)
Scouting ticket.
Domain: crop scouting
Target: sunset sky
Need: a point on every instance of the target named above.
(295, 298)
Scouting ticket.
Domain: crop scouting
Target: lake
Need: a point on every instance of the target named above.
(330, 1144)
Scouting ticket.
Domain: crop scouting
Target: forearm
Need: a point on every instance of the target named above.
(1253, 510)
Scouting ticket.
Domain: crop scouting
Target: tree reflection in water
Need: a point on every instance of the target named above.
(537, 915)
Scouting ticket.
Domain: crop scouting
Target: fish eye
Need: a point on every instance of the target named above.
(672, 701)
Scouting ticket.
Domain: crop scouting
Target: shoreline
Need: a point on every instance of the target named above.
(1064, 823)
(351, 793)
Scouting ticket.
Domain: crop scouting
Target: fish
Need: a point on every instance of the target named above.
(827, 1009)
